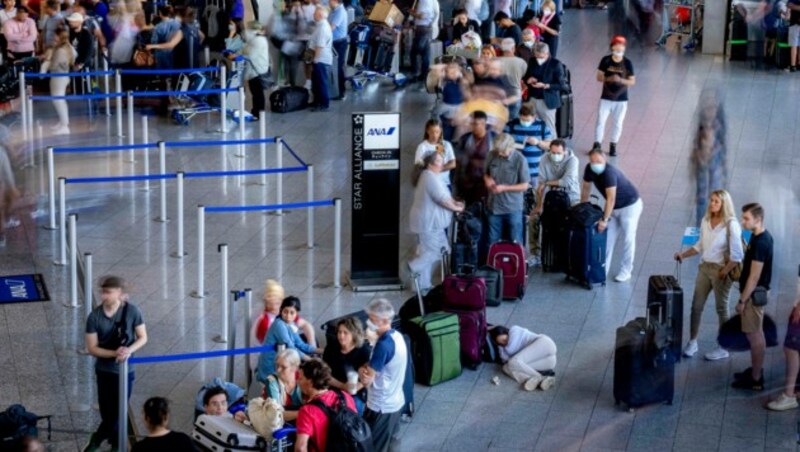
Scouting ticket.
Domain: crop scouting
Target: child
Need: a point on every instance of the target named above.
(454, 86)
(527, 357)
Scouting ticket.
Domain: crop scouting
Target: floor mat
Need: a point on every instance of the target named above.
(23, 289)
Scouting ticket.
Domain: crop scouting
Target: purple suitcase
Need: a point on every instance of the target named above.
(465, 296)
(464, 292)
(510, 258)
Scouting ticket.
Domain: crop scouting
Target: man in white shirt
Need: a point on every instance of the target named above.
(384, 375)
(322, 43)
(424, 15)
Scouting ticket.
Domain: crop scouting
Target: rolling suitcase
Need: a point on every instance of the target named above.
(333, 77)
(509, 257)
(467, 230)
(493, 278)
(738, 41)
(565, 116)
(218, 433)
(665, 291)
(466, 297)
(644, 366)
(554, 232)
(782, 49)
(586, 260)
(466, 292)
(288, 99)
(435, 345)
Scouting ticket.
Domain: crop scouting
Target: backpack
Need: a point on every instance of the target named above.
(347, 431)
(16, 424)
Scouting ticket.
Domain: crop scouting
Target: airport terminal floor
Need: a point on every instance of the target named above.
(41, 368)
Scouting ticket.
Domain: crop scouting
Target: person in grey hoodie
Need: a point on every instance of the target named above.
(559, 168)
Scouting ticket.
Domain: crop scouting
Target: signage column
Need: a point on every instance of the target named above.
(375, 202)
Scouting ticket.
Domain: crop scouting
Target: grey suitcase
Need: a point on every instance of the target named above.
(222, 433)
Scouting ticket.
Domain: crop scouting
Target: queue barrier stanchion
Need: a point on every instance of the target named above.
(207, 55)
(131, 138)
(88, 279)
(122, 401)
(73, 261)
(23, 105)
(262, 134)
(223, 102)
(235, 296)
(279, 183)
(337, 243)
(222, 338)
(62, 221)
(201, 253)
(247, 327)
(145, 139)
(242, 148)
(106, 85)
(30, 117)
(310, 210)
(118, 88)
(51, 189)
(179, 214)
(162, 170)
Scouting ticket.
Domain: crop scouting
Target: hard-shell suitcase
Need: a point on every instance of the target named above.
(333, 77)
(509, 257)
(665, 291)
(644, 370)
(554, 232)
(586, 262)
(464, 292)
(288, 99)
(467, 230)
(493, 278)
(220, 433)
(565, 116)
(782, 49)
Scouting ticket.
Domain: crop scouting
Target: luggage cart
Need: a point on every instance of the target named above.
(361, 37)
(684, 19)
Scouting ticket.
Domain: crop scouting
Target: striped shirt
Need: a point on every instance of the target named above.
(533, 154)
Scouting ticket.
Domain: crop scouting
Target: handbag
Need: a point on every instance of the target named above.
(732, 339)
(736, 271)
(759, 296)
(143, 58)
(120, 336)
(266, 416)
(308, 55)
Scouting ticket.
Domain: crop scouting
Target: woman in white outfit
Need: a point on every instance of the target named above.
(720, 250)
(433, 142)
(60, 61)
(527, 357)
(430, 215)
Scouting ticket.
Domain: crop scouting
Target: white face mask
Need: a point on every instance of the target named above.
(249, 34)
(541, 61)
(528, 44)
(618, 53)
(526, 123)
(556, 158)
(371, 326)
(597, 168)
(231, 27)
(547, 11)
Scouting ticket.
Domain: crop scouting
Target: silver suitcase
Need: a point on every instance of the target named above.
(222, 434)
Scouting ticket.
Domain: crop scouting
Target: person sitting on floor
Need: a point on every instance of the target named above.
(527, 357)
(215, 403)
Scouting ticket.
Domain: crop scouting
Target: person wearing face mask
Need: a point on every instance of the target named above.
(621, 212)
(234, 42)
(257, 73)
(283, 332)
(506, 178)
(615, 72)
(383, 375)
(545, 80)
(529, 137)
(525, 48)
(549, 25)
(513, 68)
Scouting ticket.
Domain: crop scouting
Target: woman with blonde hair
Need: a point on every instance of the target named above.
(720, 249)
(282, 385)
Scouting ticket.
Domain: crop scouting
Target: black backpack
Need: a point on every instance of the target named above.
(16, 424)
(347, 431)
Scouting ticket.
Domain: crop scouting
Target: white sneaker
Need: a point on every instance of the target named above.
(717, 354)
(783, 403)
(533, 383)
(547, 383)
(622, 277)
(63, 130)
(12, 223)
(690, 349)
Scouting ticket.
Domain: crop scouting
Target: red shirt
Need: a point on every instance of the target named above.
(312, 421)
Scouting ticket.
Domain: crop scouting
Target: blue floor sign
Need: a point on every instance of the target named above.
(23, 288)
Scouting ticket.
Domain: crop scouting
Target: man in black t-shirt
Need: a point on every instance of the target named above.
(506, 28)
(621, 212)
(615, 72)
(794, 33)
(756, 272)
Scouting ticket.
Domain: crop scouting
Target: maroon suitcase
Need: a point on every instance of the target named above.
(464, 292)
(465, 296)
(510, 258)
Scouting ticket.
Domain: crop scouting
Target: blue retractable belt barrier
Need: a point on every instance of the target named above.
(190, 144)
(200, 355)
(299, 160)
(78, 96)
(182, 93)
(297, 205)
(67, 74)
(166, 71)
(120, 147)
(294, 169)
(97, 180)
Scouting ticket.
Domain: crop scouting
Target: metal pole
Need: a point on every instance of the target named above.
(162, 169)
(223, 99)
(242, 148)
(62, 220)
(279, 188)
(222, 248)
(337, 243)
(207, 55)
(118, 89)
(201, 252)
(51, 189)
(23, 105)
(132, 152)
(310, 210)
(146, 140)
(248, 368)
(87, 284)
(180, 252)
(231, 334)
(30, 118)
(122, 421)
(73, 261)
(262, 134)
(106, 83)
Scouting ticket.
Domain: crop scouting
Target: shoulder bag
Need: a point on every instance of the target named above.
(736, 271)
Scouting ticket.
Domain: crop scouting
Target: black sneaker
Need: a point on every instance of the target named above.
(792, 68)
(612, 149)
(742, 375)
(748, 383)
(596, 145)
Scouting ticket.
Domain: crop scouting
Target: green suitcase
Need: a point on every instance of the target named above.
(435, 347)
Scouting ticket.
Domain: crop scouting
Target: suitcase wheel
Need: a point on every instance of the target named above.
(668, 402)
(588, 286)
(521, 291)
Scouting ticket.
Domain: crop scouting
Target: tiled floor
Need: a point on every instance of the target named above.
(40, 368)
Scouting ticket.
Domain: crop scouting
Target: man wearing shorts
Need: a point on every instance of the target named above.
(756, 272)
(794, 33)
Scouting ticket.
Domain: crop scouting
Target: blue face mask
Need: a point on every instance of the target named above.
(597, 168)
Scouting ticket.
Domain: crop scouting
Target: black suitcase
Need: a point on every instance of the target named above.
(663, 291)
(586, 260)
(782, 49)
(493, 278)
(467, 232)
(565, 116)
(643, 373)
(554, 231)
(288, 99)
(738, 37)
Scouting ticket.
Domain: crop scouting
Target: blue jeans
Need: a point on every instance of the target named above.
(508, 222)
(340, 46)
(319, 84)
(421, 48)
